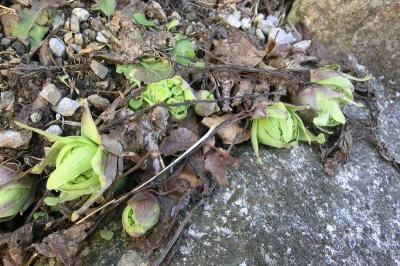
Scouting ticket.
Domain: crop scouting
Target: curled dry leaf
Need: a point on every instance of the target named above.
(238, 50)
(179, 140)
(245, 88)
(64, 245)
(230, 133)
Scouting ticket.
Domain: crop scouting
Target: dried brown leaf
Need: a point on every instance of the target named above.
(64, 245)
(215, 164)
(229, 133)
(179, 140)
(238, 50)
(14, 246)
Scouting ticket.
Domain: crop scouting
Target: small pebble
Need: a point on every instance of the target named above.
(6, 98)
(57, 47)
(101, 38)
(36, 117)
(301, 46)
(233, 20)
(66, 107)
(81, 14)
(74, 24)
(98, 101)
(246, 23)
(51, 94)
(260, 34)
(14, 139)
(78, 39)
(18, 47)
(89, 33)
(68, 37)
(99, 69)
(5, 42)
(76, 47)
(55, 130)
(103, 85)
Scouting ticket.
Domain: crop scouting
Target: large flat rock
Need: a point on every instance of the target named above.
(368, 29)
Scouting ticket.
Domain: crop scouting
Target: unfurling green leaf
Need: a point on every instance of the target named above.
(140, 19)
(33, 24)
(336, 80)
(172, 24)
(324, 105)
(80, 163)
(171, 91)
(16, 194)
(148, 70)
(184, 51)
(281, 128)
(106, 234)
(107, 7)
(141, 214)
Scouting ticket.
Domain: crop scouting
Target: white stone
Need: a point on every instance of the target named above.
(301, 46)
(260, 34)
(98, 101)
(66, 107)
(57, 47)
(78, 39)
(246, 23)
(55, 130)
(81, 14)
(51, 94)
(74, 24)
(14, 139)
(101, 38)
(99, 69)
(6, 98)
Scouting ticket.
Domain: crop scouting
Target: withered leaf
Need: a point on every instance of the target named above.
(14, 246)
(64, 245)
(215, 164)
(229, 133)
(179, 140)
(238, 50)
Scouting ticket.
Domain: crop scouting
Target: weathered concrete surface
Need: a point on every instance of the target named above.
(368, 29)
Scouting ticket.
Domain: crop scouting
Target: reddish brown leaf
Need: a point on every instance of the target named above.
(215, 164)
(179, 140)
(229, 133)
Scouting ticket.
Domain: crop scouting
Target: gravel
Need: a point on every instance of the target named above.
(51, 94)
(57, 47)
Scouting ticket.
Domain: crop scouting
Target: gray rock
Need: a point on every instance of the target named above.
(98, 101)
(76, 47)
(55, 130)
(5, 42)
(51, 94)
(74, 24)
(99, 69)
(18, 47)
(368, 29)
(57, 47)
(101, 38)
(6, 98)
(66, 107)
(132, 258)
(14, 139)
(36, 117)
(81, 14)
(89, 33)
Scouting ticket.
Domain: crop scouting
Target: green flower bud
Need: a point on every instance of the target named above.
(281, 128)
(80, 163)
(324, 106)
(171, 91)
(336, 80)
(15, 196)
(141, 214)
(205, 109)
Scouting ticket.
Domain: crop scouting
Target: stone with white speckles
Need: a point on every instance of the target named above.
(67, 107)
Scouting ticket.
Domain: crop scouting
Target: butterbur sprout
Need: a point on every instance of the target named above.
(324, 105)
(204, 108)
(336, 80)
(171, 91)
(80, 164)
(281, 128)
(141, 214)
(16, 194)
